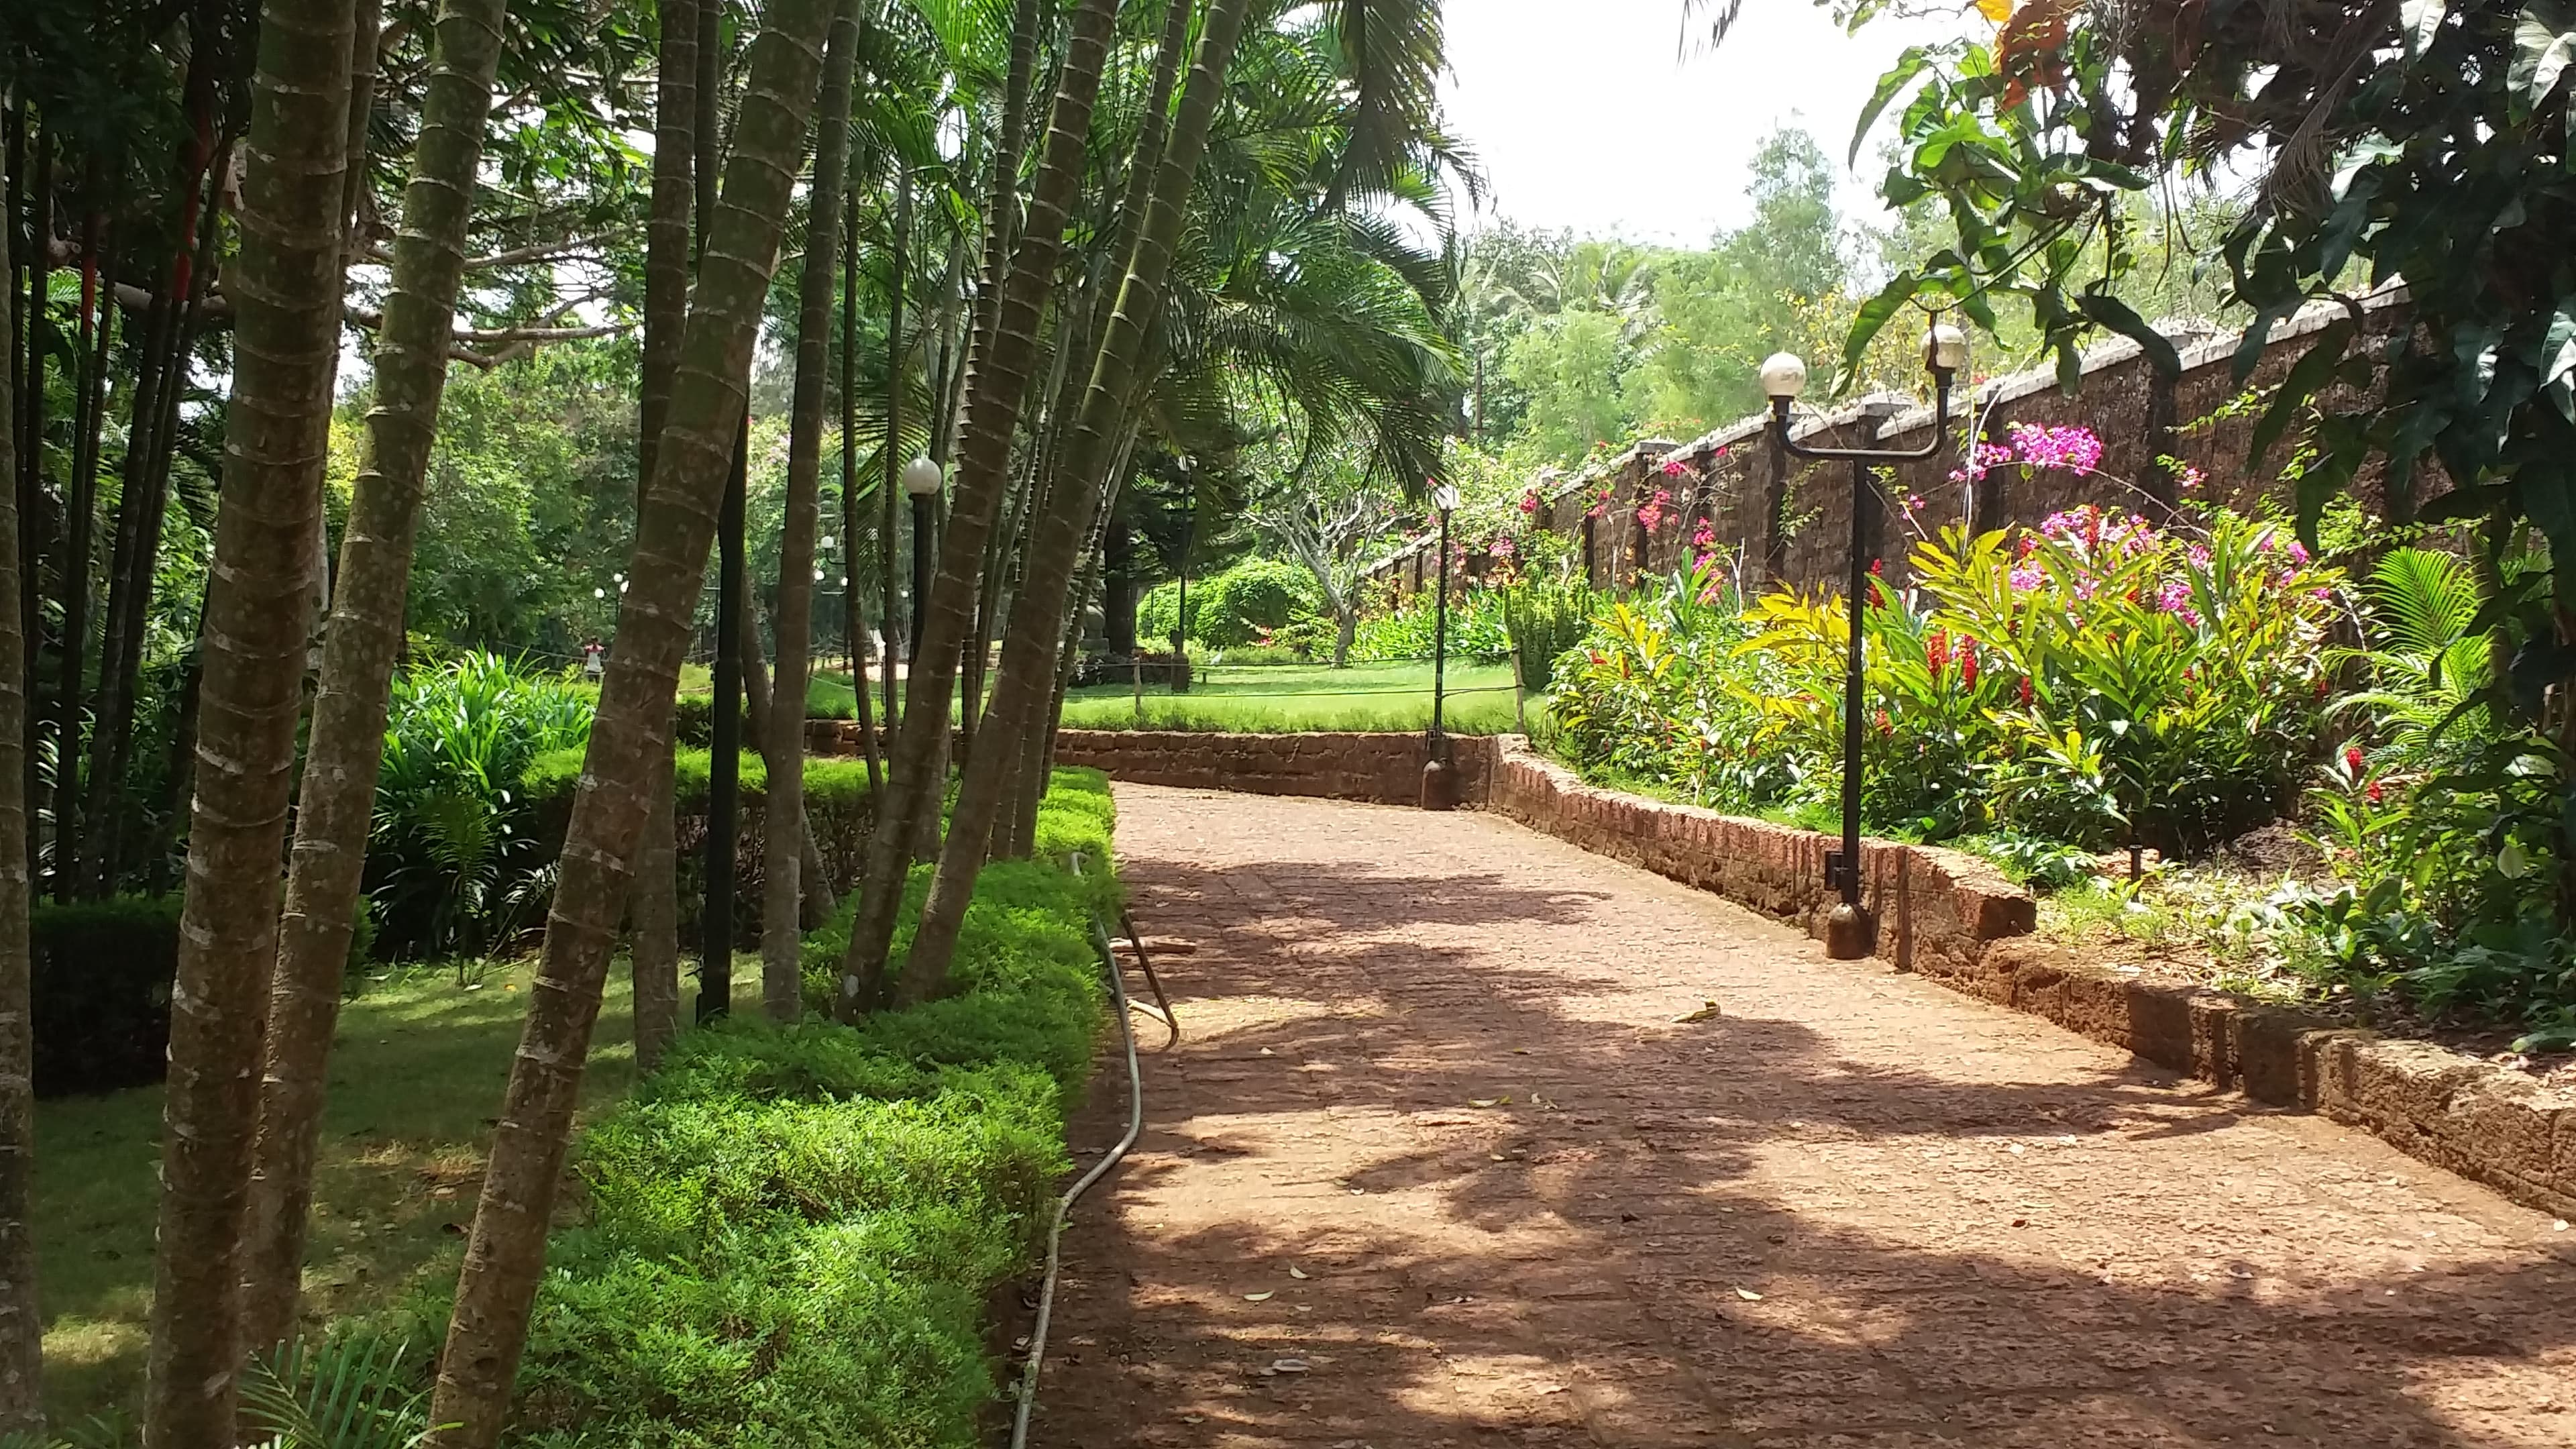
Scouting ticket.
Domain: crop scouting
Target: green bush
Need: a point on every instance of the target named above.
(2096, 681)
(456, 861)
(1410, 630)
(1240, 606)
(793, 1232)
(100, 994)
(838, 810)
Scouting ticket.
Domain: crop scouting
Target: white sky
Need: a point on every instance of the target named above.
(1585, 114)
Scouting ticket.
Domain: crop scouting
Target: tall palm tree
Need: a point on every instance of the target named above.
(335, 809)
(781, 942)
(505, 1252)
(654, 911)
(1025, 685)
(287, 308)
(22, 1329)
(994, 403)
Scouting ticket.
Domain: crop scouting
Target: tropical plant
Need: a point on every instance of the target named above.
(1544, 618)
(454, 858)
(352, 1392)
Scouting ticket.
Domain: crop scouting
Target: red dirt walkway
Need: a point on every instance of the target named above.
(1433, 1064)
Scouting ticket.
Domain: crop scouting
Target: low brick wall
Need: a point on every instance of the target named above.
(1957, 921)
(1932, 905)
(1384, 769)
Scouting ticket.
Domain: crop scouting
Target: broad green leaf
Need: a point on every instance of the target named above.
(2421, 20)
(1873, 316)
(2544, 41)
(2120, 317)
(1899, 76)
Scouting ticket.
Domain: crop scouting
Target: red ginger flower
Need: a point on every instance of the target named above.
(1967, 662)
(1936, 651)
(2352, 758)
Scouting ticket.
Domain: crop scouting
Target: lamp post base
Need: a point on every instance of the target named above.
(1439, 786)
(1850, 934)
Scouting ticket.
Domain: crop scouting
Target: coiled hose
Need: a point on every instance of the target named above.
(1099, 1170)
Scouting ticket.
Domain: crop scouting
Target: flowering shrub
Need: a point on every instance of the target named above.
(2095, 680)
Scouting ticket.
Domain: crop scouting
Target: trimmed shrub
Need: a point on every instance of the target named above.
(837, 810)
(1233, 608)
(100, 997)
(793, 1232)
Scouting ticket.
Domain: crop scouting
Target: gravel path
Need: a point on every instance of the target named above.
(1438, 1163)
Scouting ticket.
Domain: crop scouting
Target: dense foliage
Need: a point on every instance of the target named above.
(2095, 680)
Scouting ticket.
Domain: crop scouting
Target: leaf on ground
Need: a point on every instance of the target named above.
(1487, 1101)
(1707, 1012)
(1286, 1366)
(1296, 1272)
(1748, 1295)
(1262, 1297)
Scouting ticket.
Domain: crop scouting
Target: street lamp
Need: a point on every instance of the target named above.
(1849, 932)
(921, 480)
(1189, 540)
(1439, 781)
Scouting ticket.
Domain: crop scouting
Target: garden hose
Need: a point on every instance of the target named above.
(1064, 1204)
(1162, 1007)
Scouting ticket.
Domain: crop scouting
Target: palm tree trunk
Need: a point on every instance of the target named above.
(287, 307)
(151, 439)
(1026, 683)
(654, 911)
(22, 1328)
(983, 475)
(31, 468)
(505, 1253)
(335, 807)
(757, 708)
(99, 314)
(853, 618)
(781, 942)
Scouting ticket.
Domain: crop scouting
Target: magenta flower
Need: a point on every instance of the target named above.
(2075, 448)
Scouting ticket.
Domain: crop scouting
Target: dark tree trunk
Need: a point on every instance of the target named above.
(22, 1328)
(1118, 583)
(724, 745)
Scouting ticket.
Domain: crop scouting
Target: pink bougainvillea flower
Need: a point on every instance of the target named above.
(2072, 447)
(1676, 468)
(1705, 537)
(2191, 479)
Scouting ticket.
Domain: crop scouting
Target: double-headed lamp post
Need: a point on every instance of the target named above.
(1439, 781)
(921, 480)
(1849, 932)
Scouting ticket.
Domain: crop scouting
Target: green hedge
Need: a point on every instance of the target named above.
(837, 809)
(100, 994)
(793, 1233)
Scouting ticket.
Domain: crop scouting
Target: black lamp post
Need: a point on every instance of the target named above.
(1439, 781)
(1849, 932)
(1189, 541)
(921, 480)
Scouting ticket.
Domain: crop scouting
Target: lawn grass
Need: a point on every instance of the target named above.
(416, 1075)
(1286, 699)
